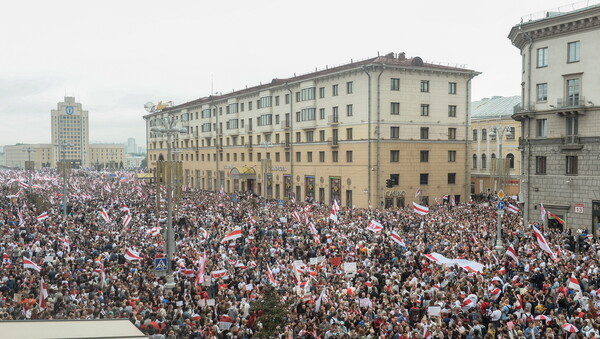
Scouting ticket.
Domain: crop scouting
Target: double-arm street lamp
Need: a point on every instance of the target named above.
(29, 167)
(168, 128)
(63, 166)
(498, 132)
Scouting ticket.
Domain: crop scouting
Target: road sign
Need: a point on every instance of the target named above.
(160, 264)
(501, 205)
(578, 208)
(501, 194)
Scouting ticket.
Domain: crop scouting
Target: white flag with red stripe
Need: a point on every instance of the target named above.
(397, 239)
(219, 274)
(43, 216)
(235, 234)
(543, 243)
(420, 209)
(573, 284)
(200, 278)
(225, 322)
(510, 251)
(296, 216)
(374, 226)
(334, 209)
(43, 295)
(126, 220)
(512, 208)
(542, 212)
(104, 215)
(131, 254)
(28, 263)
(271, 276)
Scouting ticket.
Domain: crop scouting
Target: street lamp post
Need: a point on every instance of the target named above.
(29, 169)
(169, 129)
(65, 193)
(499, 131)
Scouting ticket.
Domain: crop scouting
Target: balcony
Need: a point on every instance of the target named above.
(571, 143)
(575, 101)
(333, 120)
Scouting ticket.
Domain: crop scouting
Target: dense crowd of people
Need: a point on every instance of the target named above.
(337, 277)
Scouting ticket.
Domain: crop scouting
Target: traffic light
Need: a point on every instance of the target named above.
(388, 183)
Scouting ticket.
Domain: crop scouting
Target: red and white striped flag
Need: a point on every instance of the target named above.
(271, 276)
(418, 192)
(334, 209)
(543, 243)
(6, 259)
(573, 283)
(235, 234)
(296, 216)
(187, 272)
(27, 263)
(43, 216)
(543, 212)
(107, 187)
(126, 220)
(104, 215)
(511, 252)
(397, 239)
(200, 278)
(219, 274)
(225, 322)
(131, 254)
(23, 184)
(204, 233)
(420, 209)
(43, 295)
(374, 226)
(512, 208)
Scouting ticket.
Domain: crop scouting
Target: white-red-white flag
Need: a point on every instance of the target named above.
(225, 322)
(43, 295)
(334, 209)
(512, 208)
(28, 263)
(511, 252)
(6, 259)
(131, 254)
(397, 239)
(420, 209)
(200, 278)
(374, 226)
(219, 274)
(43, 216)
(542, 212)
(126, 220)
(322, 299)
(296, 216)
(573, 284)
(235, 234)
(107, 187)
(104, 215)
(418, 192)
(543, 243)
(271, 276)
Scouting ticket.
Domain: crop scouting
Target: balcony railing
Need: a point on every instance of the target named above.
(571, 142)
(575, 101)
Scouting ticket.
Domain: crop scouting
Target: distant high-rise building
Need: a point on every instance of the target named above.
(131, 146)
(70, 128)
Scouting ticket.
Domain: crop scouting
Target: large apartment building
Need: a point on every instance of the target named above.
(367, 133)
(560, 118)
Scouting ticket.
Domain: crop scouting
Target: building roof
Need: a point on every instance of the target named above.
(495, 107)
(65, 329)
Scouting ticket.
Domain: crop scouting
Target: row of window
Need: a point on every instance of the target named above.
(572, 126)
(484, 134)
(573, 54)
(570, 165)
(510, 157)
(573, 95)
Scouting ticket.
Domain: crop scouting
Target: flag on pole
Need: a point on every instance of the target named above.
(543, 212)
(512, 208)
(126, 220)
(43, 295)
(235, 234)
(397, 239)
(43, 216)
(552, 216)
(420, 209)
(543, 243)
(27, 263)
(104, 215)
(297, 216)
(418, 192)
(322, 299)
(334, 209)
(271, 276)
(201, 269)
(510, 251)
(131, 254)
(573, 283)
(374, 226)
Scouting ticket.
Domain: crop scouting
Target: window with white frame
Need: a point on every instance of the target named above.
(542, 57)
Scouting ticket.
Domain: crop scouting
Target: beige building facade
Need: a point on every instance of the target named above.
(560, 115)
(107, 156)
(492, 130)
(335, 134)
(42, 155)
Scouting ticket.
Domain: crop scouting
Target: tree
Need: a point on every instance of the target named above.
(273, 313)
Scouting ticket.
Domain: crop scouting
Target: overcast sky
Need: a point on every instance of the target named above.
(114, 56)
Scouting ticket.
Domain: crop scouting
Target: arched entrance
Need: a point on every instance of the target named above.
(246, 176)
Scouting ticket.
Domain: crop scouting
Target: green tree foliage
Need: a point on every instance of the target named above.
(274, 313)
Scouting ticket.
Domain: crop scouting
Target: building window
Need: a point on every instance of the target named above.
(474, 161)
(394, 156)
(349, 110)
(287, 99)
(572, 126)
(321, 92)
(542, 92)
(277, 157)
(424, 178)
(321, 135)
(395, 108)
(511, 160)
(277, 100)
(451, 178)
(573, 92)
(298, 156)
(483, 134)
(308, 93)
(310, 136)
(348, 133)
(542, 57)
(424, 110)
(474, 135)
(541, 128)
(483, 161)
(308, 156)
(287, 157)
(321, 156)
(573, 51)
(424, 132)
(452, 133)
(571, 164)
(452, 88)
(451, 156)
(540, 165)
(395, 178)
(424, 156)
(349, 87)
(425, 86)
(334, 90)
(394, 132)
(334, 156)
(321, 113)
(395, 84)
(348, 156)
(452, 111)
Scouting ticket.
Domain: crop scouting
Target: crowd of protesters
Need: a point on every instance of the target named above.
(338, 277)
